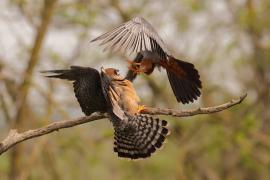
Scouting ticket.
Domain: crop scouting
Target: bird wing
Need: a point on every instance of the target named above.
(136, 35)
(112, 97)
(87, 87)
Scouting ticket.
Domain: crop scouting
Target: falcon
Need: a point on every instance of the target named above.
(138, 36)
(136, 135)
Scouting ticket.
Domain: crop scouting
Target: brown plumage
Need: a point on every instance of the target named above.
(137, 35)
(121, 92)
(136, 135)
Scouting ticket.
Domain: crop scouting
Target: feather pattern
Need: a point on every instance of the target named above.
(136, 135)
(141, 137)
(136, 35)
(87, 87)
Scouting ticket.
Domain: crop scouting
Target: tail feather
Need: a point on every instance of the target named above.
(147, 137)
(184, 80)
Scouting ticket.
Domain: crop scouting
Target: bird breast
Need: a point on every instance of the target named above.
(128, 100)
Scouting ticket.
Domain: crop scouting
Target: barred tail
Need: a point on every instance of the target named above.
(143, 140)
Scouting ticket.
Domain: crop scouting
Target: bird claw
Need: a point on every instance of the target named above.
(132, 63)
(141, 108)
(135, 67)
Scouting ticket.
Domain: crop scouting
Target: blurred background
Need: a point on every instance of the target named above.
(227, 40)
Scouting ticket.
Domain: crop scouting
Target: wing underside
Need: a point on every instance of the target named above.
(136, 35)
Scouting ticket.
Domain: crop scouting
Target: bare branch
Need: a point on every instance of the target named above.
(184, 113)
(14, 137)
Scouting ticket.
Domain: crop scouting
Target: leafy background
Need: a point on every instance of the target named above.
(229, 43)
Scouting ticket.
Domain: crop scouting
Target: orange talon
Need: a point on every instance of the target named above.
(131, 68)
(141, 108)
(135, 67)
(130, 62)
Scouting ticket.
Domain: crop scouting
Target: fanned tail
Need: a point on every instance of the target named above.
(143, 140)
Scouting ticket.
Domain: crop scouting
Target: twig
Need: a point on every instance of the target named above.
(14, 137)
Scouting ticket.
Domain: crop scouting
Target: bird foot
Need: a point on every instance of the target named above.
(132, 63)
(141, 108)
(135, 67)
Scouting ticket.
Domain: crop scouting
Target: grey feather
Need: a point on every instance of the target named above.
(136, 35)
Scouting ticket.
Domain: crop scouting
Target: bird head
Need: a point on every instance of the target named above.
(111, 74)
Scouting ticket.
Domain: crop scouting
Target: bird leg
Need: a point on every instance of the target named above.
(133, 63)
(135, 67)
(145, 66)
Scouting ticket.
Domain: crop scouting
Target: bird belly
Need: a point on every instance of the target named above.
(129, 99)
(130, 106)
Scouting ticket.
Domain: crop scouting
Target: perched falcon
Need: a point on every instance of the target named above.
(136, 135)
(138, 35)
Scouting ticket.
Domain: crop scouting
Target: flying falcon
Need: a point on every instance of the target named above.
(136, 135)
(138, 35)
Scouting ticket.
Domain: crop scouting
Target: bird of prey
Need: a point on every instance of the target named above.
(136, 135)
(138, 35)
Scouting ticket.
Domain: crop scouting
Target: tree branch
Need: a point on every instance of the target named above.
(14, 137)
(185, 113)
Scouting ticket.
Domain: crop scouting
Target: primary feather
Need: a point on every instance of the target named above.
(136, 35)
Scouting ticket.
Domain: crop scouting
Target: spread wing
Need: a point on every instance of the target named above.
(87, 87)
(136, 35)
